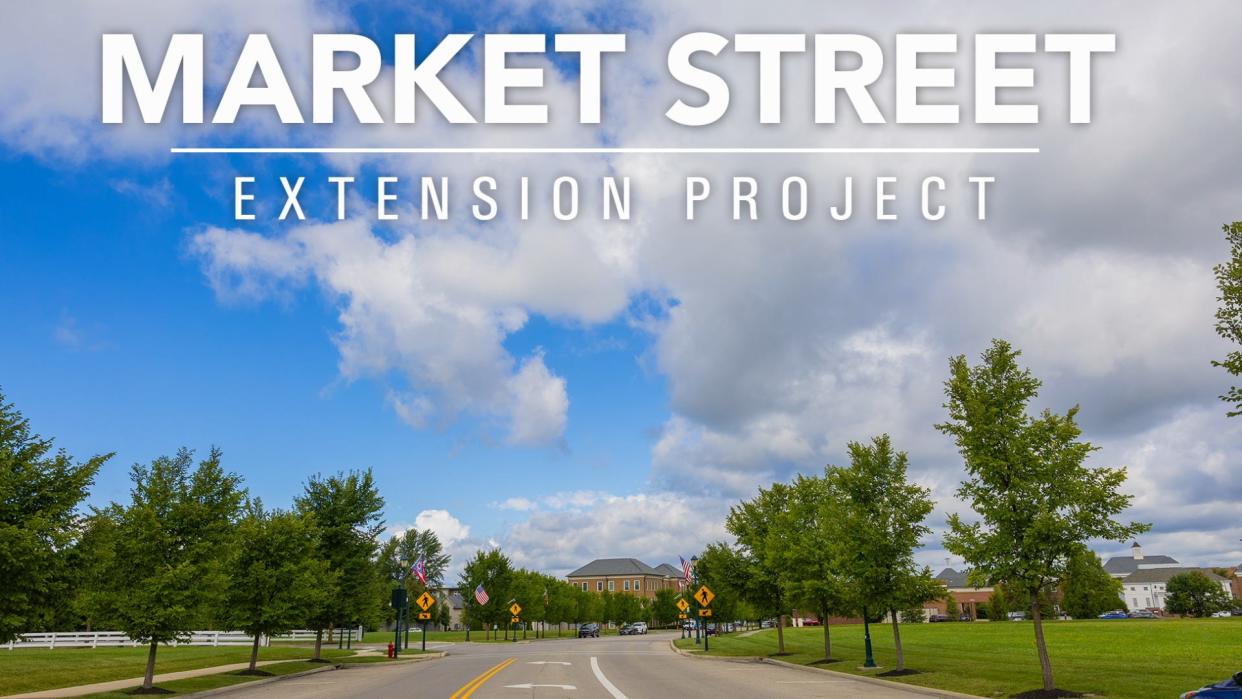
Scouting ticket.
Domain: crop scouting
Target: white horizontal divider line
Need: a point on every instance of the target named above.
(433, 150)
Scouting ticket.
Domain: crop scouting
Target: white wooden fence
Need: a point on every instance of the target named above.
(113, 639)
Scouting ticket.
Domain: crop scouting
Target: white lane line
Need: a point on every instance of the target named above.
(532, 686)
(548, 662)
(612, 688)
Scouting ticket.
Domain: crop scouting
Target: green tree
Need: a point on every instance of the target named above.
(173, 542)
(493, 570)
(1027, 480)
(347, 513)
(93, 559)
(758, 581)
(1229, 314)
(806, 547)
(664, 607)
(40, 491)
(882, 525)
(1089, 590)
(1196, 594)
(275, 575)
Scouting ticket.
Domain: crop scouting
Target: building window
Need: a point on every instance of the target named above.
(584, 587)
(612, 585)
(627, 585)
(599, 585)
(638, 584)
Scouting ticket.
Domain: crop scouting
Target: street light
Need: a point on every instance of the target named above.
(694, 576)
(401, 601)
(870, 661)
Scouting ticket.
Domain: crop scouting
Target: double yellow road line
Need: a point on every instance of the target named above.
(468, 689)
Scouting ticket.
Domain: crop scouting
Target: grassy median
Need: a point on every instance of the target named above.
(1131, 658)
(223, 679)
(34, 669)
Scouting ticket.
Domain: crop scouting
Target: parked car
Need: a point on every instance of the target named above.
(1017, 616)
(964, 617)
(588, 631)
(636, 629)
(1115, 614)
(1142, 614)
(810, 622)
(1228, 689)
(1222, 614)
(771, 623)
(935, 618)
(1237, 612)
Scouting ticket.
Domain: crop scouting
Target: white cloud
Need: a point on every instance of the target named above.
(518, 504)
(448, 528)
(653, 527)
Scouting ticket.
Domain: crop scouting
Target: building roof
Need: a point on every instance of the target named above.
(1122, 565)
(1163, 575)
(614, 566)
(669, 570)
(952, 578)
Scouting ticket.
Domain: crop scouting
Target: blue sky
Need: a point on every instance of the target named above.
(663, 369)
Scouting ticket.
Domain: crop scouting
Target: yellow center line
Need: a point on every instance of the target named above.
(468, 689)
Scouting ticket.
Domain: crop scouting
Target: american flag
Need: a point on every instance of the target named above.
(685, 568)
(420, 569)
(480, 594)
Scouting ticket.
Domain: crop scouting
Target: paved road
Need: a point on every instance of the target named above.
(633, 667)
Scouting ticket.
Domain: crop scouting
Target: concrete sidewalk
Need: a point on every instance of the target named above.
(116, 685)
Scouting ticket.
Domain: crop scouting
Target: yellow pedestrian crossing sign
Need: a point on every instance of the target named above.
(705, 612)
(515, 609)
(704, 596)
(424, 616)
(425, 601)
(682, 604)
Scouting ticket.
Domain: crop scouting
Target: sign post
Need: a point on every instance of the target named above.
(682, 606)
(515, 609)
(424, 603)
(399, 602)
(704, 597)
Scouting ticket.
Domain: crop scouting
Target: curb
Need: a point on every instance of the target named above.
(918, 689)
(257, 683)
(429, 655)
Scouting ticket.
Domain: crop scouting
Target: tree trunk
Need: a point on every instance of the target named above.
(254, 653)
(318, 644)
(150, 676)
(1045, 663)
(901, 657)
(780, 634)
(823, 619)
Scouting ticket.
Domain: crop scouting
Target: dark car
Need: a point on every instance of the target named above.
(936, 618)
(588, 630)
(628, 630)
(1228, 689)
(1142, 614)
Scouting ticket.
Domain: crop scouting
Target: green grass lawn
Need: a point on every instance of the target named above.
(33, 669)
(1132, 658)
(200, 684)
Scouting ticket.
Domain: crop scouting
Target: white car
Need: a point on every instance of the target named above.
(640, 627)
(1221, 614)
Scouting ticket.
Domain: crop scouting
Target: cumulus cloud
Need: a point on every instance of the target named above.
(654, 528)
(778, 341)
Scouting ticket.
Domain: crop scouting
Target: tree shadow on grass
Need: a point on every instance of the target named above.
(1047, 694)
(253, 673)
(153, 690)
(824, 661)
(900, 673)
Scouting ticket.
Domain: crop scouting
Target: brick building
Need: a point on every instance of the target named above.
(625, 575)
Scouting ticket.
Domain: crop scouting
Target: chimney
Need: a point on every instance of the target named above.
(1136, 551)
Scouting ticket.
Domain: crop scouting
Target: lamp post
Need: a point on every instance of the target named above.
(401, 602)
(870, 661)
(698, 621)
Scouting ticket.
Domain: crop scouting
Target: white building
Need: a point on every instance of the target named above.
(1147, 588)
(1122, 566)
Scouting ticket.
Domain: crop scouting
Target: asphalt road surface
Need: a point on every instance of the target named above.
(633, 667)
